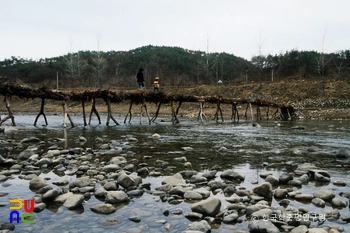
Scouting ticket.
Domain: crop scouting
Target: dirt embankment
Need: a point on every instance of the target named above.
(323, 99)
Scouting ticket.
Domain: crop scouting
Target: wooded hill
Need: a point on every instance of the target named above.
(173, 65)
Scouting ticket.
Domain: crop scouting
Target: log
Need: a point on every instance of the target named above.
(109, 112)
(94, 110)
(10, 115)
(129, 113)
(41, 112)
(201, 114)
(66, 114)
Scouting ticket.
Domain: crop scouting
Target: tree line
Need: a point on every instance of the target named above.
(173, 65)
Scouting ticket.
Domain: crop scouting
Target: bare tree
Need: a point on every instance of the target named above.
(100, 64)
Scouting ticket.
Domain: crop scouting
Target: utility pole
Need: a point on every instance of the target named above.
(57, 80)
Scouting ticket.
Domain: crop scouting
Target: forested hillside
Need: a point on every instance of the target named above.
(175, 66)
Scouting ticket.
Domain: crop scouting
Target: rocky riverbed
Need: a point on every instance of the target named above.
(113, 176)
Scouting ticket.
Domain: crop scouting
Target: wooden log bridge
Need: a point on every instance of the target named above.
(141, 97)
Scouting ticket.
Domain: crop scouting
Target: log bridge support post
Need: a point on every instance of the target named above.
(234, 113)
(218, 109)
(11, 115)
(144, 105)
(201, 114)
(94, 110)
(174, 113)
(41, 112)
(66, 114)
(129, 113)
(109, 112)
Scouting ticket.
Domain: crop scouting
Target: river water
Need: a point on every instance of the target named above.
(275, 147)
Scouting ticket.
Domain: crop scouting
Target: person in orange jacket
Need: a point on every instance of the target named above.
(156, 84)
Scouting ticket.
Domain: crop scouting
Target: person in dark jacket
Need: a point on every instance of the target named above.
(140, 80)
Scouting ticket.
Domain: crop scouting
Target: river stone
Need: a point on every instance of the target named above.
(264, 190)
(343, 153)
(2, 160)
(230, 218)
(116, 197)
(210, 174)
(303, 179)
(321, 177)
(111, 168)
(118, 160)
(80, 182)
(103, 208)
(232, 175)
(216, 184)
(201, 226)
(300, 229)
(51, 194)
(340, 182)
(30, 140)
(155, 136)
(37, 183)
(135, 218)
(318, 202)
(272, 180)
(295, 183)
(195, 179)
(313, 149)
(42, 162)
(174, 180)
(62, 198)
(262, 226)
(74, 201)
(182, 159)
(280, 193)
(316, 230)
(285, 177)
(208, 207)
(3, 178)
(304, 197)
(164, 188)
(25, 154)
(192, 195)
(125, 180)
(111, 186)
(338, 202)
(261, 214)
(324, 194)
(38, 207)
(177, 190)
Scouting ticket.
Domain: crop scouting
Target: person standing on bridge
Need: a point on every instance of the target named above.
(156, 84)
(140, 79)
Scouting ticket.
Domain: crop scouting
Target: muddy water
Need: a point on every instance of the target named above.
(274, 147)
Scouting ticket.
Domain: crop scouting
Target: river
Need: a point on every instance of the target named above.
(275, 147)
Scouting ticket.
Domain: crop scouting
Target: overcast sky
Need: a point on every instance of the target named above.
(35, 29)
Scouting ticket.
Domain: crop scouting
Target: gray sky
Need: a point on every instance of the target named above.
(35, 29)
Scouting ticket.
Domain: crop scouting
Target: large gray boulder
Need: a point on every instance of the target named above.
(125, 180)
(116, 197)
(324, 194)
(262, 226)
(74, 201)
(103, 208)
(174, 180)
(37, 183)
(264, 190)
(232, 175)
(80, 182)
(208, 207)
